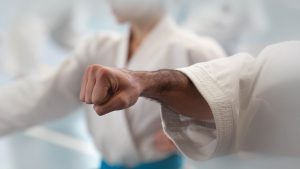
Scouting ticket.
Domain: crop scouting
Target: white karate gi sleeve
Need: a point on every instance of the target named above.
(226, 84)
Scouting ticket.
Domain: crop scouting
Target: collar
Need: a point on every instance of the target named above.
(157, 36)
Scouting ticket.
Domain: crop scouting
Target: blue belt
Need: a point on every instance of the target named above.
(172, 162)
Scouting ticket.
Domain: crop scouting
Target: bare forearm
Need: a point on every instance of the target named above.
(174, 90)
(158, 84)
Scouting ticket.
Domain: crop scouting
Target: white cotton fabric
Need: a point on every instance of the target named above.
(125, 137)
(255, 104)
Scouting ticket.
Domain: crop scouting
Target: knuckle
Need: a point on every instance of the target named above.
(96, 100)
(98, 110)
(102, 72)
(94, 68)
(87, 70)
(124, 102)
(90, 67)
(88, 101)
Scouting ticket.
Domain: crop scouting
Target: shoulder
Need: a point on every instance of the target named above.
(97, 45)
(103, 41)
(194, 44)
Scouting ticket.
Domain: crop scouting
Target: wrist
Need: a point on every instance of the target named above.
(142, 80)
(159, 84)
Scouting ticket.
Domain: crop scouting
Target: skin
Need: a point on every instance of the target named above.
(110, 89)
(140, 24)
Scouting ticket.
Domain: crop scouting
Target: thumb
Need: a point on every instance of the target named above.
(117, 102)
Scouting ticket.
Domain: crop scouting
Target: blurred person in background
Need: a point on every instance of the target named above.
(228, 21)
(131, 138)
(33, 25)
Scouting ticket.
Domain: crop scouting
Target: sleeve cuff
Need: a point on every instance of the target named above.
(223, 112)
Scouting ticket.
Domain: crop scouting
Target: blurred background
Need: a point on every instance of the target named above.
(37, 35)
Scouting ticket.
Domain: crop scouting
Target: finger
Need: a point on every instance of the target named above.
(115, 103)
(90, 85)
(101, 89)
(83, 85)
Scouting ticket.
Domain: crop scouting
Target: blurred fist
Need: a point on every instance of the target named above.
(108, 89)
(163, 143)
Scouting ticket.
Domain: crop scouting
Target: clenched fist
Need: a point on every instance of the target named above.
(109, 89)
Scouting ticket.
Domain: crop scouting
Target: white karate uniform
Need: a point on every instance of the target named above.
(125, 137)
(255, 104)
